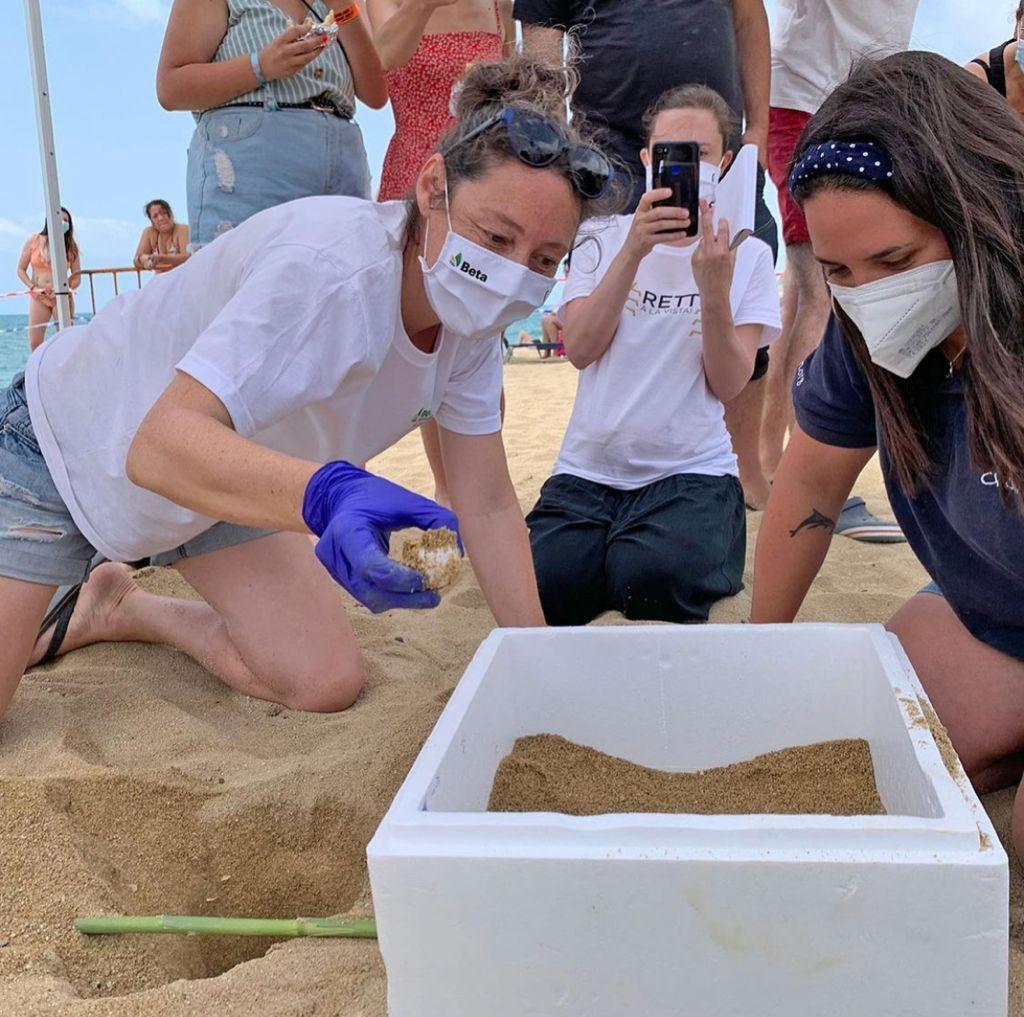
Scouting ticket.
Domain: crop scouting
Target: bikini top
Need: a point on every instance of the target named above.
(40, 256)
(995, 69)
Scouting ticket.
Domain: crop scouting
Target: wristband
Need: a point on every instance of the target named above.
(350, 13)
(254, 59)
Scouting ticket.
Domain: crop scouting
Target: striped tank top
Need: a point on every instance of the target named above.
(254, 23)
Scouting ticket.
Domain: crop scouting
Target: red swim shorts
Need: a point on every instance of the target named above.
(784, 130)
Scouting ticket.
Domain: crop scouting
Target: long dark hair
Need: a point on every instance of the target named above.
(70, 244)
(958, 163)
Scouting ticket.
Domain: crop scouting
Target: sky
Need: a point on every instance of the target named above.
(117, 149)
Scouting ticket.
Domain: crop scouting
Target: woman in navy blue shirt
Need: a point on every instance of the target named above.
(912, 180)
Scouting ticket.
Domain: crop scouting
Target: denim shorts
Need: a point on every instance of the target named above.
(39, 541)
(244, 159)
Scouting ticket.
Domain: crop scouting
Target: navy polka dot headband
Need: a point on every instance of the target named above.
(862, 159)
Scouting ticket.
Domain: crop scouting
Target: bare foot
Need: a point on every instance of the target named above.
(99, 612)
(755, 490)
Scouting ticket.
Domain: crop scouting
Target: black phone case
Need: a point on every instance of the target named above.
(677, 166)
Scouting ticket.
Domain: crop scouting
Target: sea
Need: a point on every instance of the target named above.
(14, 340)
(14, 345)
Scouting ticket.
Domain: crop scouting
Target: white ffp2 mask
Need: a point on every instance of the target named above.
(477, 293)
(904, 317)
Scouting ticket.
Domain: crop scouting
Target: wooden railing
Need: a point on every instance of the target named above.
(114, 273)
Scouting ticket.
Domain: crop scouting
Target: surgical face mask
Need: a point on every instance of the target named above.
(1020, 54)
(709, 174)
(67, 225)
(904, 317)
(477, 293)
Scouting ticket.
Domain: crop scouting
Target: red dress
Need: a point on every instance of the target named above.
(420, 96)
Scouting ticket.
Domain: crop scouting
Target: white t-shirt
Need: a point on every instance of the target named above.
(293, 321)
(817, 43)
(643, 411)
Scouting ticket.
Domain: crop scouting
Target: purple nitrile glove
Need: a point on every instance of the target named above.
(353, 513)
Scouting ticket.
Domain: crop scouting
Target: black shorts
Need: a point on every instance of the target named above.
(664, 552)
(761, 363)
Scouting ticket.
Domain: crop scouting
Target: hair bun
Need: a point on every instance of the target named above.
(518, 81)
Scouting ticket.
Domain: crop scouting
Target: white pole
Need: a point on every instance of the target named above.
(47, 153)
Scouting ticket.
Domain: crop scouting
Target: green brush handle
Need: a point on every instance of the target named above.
(107, 925)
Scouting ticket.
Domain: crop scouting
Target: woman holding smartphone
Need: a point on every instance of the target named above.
(645, 513)
(922, 242)
(274, 104)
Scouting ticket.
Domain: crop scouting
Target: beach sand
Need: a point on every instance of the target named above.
(130, 781)
(548, 773)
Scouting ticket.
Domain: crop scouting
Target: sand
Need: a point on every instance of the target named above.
(547, 773)
(131, 781)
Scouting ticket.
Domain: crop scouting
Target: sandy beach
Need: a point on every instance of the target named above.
(132, 782)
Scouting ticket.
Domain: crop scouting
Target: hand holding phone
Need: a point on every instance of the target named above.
(675, 166)
(655, 222)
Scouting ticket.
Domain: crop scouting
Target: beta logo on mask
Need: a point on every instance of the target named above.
(462, 265)
(500, 293)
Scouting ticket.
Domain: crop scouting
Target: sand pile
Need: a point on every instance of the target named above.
(128, 766)
(546, 773)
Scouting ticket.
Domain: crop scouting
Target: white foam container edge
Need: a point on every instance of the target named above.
(707, 916)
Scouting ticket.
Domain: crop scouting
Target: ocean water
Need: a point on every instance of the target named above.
(13, 345)
(14, 340)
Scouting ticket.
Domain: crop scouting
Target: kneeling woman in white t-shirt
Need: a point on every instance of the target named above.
(189, 421)
(645, 513)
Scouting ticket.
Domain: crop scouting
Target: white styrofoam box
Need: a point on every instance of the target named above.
(540, 915)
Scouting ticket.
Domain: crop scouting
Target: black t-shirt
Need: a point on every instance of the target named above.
(632, 51)
(958, 525)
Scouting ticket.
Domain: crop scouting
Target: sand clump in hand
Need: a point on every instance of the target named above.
(546, 773)
(435, 555)
(132, 782)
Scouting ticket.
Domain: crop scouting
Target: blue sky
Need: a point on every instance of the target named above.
(116, 148)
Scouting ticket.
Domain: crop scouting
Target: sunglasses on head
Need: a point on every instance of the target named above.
(537, 141)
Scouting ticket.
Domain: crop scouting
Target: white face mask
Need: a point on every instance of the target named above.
(67, 225)
(905, 316)
(709, 174)
(477, 293)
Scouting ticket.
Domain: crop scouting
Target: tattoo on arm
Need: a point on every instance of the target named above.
(815, 521)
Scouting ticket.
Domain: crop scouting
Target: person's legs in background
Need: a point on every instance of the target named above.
(805, 311)
(806, 307)
(676, 547)
(432, 446)
(40, 311)
(743, 418)
(569, 528)
(744, 415)
(805, 301)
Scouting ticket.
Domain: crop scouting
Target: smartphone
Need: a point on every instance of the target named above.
(676, 165)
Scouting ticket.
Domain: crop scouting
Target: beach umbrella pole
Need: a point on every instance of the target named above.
(48, 156)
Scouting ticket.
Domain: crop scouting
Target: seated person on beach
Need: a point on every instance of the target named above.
(922, 244)
(1003, 66)
(164, 242)
(645, 513)
(35, 272)
(189, 422)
